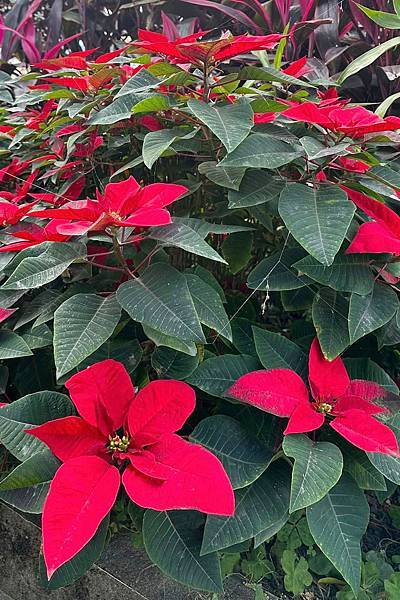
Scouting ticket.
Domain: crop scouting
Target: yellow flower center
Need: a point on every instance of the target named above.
(119, 444)
(324, 407)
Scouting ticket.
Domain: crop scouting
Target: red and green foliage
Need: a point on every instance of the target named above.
(179, 220)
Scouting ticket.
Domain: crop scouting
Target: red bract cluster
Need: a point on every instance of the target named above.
(190, 50)
(34, 235)
(354, 121)
(282, 392)
(120, 432)
(124, 204)
(382, 235)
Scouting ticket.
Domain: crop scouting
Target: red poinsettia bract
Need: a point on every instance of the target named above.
(282, 392)
(123, 435)
(124, 204)
(354, 121)
(190, 49)
(382, 235)
(34, 235)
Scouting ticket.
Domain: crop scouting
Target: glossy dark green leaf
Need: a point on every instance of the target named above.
(277, 352)
(367, 313)
(257, 187)
(330, 317)
(347, 273)
(261, 151)
(276, 273)
(236, 250)
(171, 364)
(243, 456)
(215, 375)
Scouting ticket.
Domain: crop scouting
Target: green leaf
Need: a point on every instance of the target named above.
(261, 151)
(277, 352)
(27, 486)
(347, 273)
(141, 81)
(127, 351)
(157, 142)
(231, 124)
(357, 465)
(229, 177)
(257, 187)
(12, 345)
(37, 336)
(297, 576)
(173, 540)
(161, 299)
(337, 524)
(388, 465)
(242, 455)
(330, 316)
(242, 334)
(27, 412)
(317, 218)
(365, 368)
(317, 468)
(316, 149)
(384, 19)
(297, 300)
(258, 506)
(171, 364)
(152, 104)
(81, 325)
(267, 73)
(118, 110)
(209, 306)
(236, 249)
(36, 271)
(215, 375)
(384, 106)
(275, 273)
(367, 59)
(75, 568)
(392, 586)
(169, 341)
(367, 313)
(182, 236)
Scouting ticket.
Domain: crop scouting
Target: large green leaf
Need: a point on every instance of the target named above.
(215, 375)
(171, 364)
(229, 177)
(242, 334)
(81, 325)
(317, 468)
(37, 336)
(237, 250)
(160, 298)
(142, 81)
(367, 313)
(276, 273)
(388, 465)
(258, 506)
(161, 339)
(157, 142)
(26, 413)
(261, 151)
(27, 486)
(330, 317)
(316, 149)
(75, 568)
(243, 456)
(317, 218)
(337, 524)
(183, 236)
(127, 351)
(277, 352)
(365, 368)
(12, 345)
(384, 19)
(173, 540)
(257, 187)
(118, 110)
(356, 463)
(36, 271)
(367, 59)
(231, 124)
(347, 273)
(209, 306)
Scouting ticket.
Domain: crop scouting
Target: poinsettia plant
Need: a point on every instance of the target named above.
(180, 220)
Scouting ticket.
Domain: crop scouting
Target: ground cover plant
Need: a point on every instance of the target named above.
(200, 267)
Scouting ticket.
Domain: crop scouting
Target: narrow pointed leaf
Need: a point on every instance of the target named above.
(180, 235)
(330, 316)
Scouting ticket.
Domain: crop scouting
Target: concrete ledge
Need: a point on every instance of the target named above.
(123, 573)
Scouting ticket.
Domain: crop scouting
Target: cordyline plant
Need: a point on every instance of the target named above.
(171, 223)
